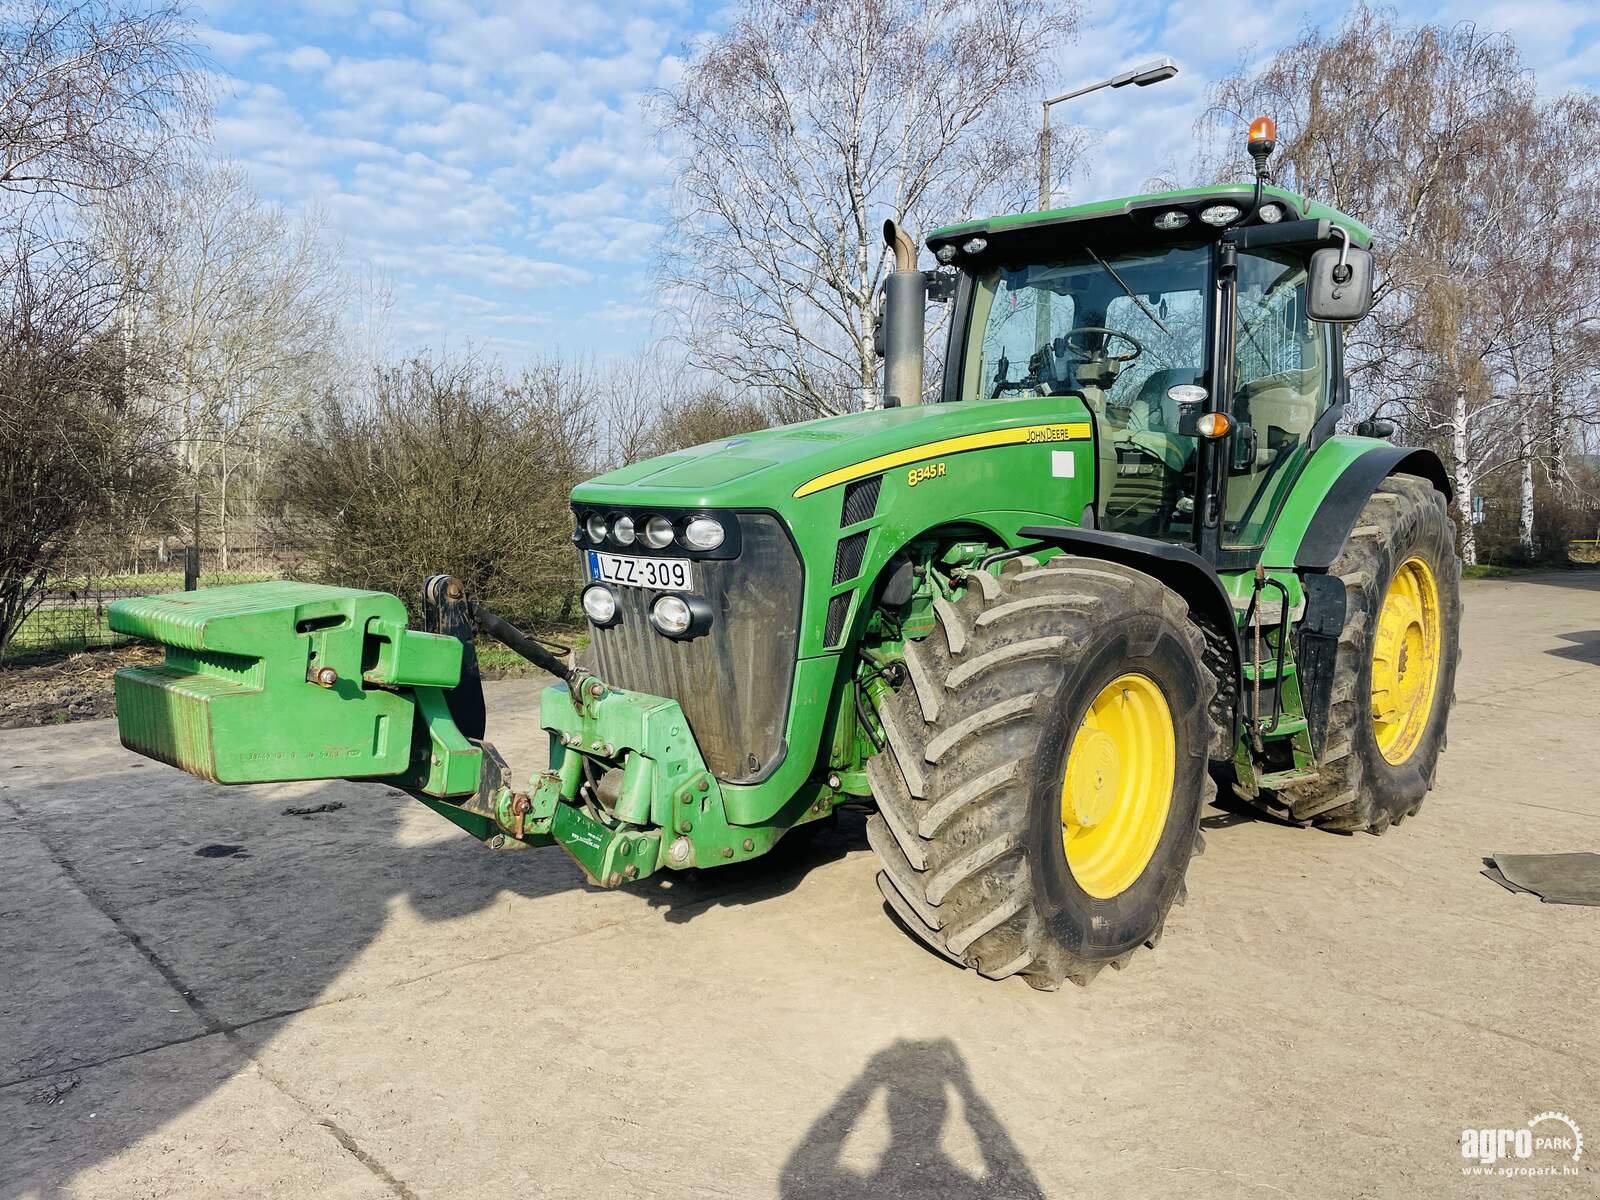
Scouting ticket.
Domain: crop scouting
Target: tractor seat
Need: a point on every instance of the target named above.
(1150, 423)
(1153, 409)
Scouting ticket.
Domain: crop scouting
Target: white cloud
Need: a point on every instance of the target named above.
(307, 59)
(232, 48)
(484, 263)
(394, 24)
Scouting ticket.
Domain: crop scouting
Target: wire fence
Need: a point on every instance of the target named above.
(71, 616)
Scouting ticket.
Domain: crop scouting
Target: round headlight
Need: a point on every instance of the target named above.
(670, 614)
(703, 533)
(1219, 214)
(622, 530)
(657, 533)
(975, 245)
(946, 253)
(595, 527)
(1270, 213)
(599, 604)
(1171, 219)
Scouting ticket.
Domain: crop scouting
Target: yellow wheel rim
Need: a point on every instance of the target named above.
(1405, 660)
(1117, 787)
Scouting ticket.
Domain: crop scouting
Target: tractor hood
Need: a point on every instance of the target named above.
(767, 467)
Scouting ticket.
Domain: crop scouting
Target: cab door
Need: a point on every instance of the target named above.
(1283, 368)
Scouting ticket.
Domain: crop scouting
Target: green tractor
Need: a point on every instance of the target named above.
(1117, 555)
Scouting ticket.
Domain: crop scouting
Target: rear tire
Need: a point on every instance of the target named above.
(971, 830)
(1376, 774)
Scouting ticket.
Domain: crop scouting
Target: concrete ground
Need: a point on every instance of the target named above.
(201, 995)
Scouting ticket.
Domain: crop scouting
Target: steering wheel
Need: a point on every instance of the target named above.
(1085, 353)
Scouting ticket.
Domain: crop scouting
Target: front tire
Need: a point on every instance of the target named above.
(1395, 667)
(1041, 795)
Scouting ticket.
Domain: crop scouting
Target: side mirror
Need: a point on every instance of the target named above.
(1375, 427)
(1339, 289)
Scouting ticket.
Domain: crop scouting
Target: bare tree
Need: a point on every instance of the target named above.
(93, 94)
(72, 450)
(650, 405)
(94, 98)
(800, 130)
(240, 302)
(1475, 191)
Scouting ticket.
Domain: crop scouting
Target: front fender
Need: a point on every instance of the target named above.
(1327, 499)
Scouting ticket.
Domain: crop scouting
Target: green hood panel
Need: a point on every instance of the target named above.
(765, 468)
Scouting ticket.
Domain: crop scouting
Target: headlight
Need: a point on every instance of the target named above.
(946, 253)
(595, 527)
(599, 604)
(703, 533)
(1219, 214)
(975, 245)
(671, 615)
(1172, 219)
(622, 531)
(1270, 213)
(658, 533)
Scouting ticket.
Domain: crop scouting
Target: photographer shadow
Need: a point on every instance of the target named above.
(917, 1079)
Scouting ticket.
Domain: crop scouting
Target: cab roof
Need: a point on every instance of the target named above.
(1109, 215)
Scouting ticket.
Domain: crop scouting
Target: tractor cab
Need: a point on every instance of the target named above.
(1185, 323)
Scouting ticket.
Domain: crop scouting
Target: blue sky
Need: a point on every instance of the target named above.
(491, 160)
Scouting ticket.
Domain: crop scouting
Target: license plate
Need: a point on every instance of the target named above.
(663, 574)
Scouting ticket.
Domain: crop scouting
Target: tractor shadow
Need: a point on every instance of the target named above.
(148, 917)
(681, 896)
(1227, 810)
(1585, 646)
(918, 1081)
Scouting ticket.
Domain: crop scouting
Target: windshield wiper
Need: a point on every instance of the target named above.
(1143, 307)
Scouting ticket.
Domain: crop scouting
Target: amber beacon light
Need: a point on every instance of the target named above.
(1263, 140)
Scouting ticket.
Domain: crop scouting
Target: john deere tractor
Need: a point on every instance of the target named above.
(1030, 614)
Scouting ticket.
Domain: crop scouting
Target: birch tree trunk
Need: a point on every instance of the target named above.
(1464, 473)
(1525, 484)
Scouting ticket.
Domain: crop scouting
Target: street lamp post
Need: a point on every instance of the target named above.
(1143, 75)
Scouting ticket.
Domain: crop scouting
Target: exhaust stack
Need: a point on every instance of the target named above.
(905, 301)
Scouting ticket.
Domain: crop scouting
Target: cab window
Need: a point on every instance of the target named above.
(1126, 334)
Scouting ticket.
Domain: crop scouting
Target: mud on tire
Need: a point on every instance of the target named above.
(968, 829)
(1358, 788)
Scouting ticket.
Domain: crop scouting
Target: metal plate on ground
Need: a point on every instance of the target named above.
(1554, 878)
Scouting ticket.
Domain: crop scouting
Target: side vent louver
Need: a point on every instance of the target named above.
(860, 500)
(838, 608)
(847, 558)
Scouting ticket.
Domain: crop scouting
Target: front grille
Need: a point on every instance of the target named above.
(847, 558)
(733, 684)
(860, 500)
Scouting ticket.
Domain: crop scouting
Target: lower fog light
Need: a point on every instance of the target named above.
(600, 604)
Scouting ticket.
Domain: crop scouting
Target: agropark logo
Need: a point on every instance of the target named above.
(1549, 1144)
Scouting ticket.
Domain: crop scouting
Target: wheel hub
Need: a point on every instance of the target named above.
(1405, 660)
(1096, 774)
(1116, 789)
